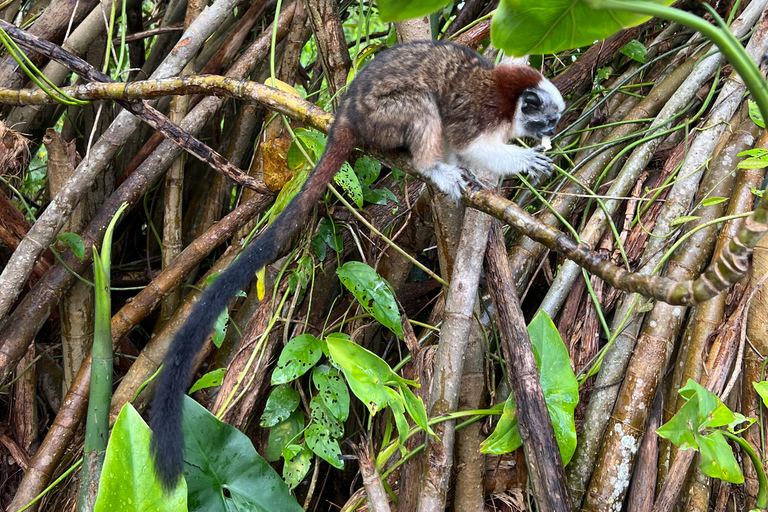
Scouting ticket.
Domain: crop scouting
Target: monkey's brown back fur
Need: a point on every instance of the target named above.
(398, 96)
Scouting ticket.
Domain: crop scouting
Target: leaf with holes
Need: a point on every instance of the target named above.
(325, 446)
(347, 179)
(298, 356)
(323, 416)
(367, 169)
(298, 459)
(373, 293)
(332, 390)
(282, 401)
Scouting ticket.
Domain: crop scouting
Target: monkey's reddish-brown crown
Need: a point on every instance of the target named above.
(511, 81)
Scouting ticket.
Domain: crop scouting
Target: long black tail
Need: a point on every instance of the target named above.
(165, 418)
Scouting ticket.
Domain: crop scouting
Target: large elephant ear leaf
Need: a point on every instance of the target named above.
(523, 27)
(398, 10)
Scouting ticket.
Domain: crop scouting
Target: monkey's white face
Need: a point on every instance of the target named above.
(538, 111)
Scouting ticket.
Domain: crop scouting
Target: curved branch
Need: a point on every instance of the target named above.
(721, 274)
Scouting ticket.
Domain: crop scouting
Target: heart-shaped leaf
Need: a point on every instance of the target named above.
(282, 401)
(561, 392)
(298, 356)
(523, 27)
(397, 10)
(223, 470)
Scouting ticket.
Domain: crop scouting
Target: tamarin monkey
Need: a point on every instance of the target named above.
(447, 107)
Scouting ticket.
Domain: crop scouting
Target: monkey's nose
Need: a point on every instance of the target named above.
(548, 131)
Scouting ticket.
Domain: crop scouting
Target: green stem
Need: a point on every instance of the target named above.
(762, 492)
(723, 39)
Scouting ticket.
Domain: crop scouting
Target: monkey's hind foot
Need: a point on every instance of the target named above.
(470, 182)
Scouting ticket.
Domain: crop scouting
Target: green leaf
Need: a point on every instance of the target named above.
(759, 152)
(209, 380)
(416, 409)
(326, 447)
(323, 416)
(505, 437)
(298, 356)
(523, 27)
(313, 140)
(379, 196)
(373, 293)
(74, 242)
(711, 411)
(330, 234)
(289, 190)
(753, 163)
(682, 427)
(710, 201)
(717, 458)
(282, 434)
(683, 219)
(332, 390)
(367, 374)
(347, 179)
(313, 144)
(282, 401)
(318, 244)
(603, 74)
(738, 419)
(398, 10)
(223, 470)
(561, 392)
(755, 115)
(298, 460)
(367, 169)
(125, 483)
(635, 51)
(220, 328)
(762, 390)
(396, 403)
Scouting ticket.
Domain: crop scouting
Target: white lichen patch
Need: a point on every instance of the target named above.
(546, 142)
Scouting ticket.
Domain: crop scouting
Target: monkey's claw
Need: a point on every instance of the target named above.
(470, 181)
(539, 165)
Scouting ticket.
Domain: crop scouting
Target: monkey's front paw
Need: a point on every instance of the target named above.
(539, 165)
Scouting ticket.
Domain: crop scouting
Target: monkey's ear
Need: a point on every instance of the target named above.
(508, 60)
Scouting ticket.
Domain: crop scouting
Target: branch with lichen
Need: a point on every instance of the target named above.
(138, 108)
(210, 85)
(724, 272)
